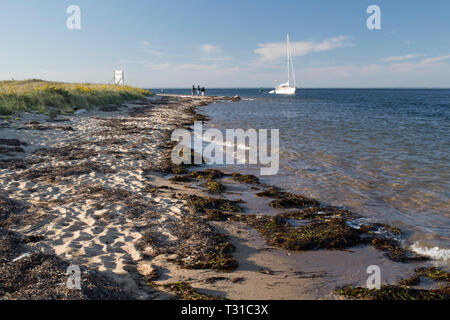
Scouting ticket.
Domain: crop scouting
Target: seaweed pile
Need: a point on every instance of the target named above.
(210, 175)
(404, 290)
(309, 227)
(196, 245)
(27, 275)
(184, 291)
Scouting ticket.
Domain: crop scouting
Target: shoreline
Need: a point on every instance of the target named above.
(103, 201)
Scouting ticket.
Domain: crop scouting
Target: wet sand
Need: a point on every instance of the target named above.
(93, 191)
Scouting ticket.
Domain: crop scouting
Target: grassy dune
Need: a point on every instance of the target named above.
(44, 96)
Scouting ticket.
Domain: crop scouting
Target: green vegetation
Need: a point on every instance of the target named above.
(213, 186)
(42, 96)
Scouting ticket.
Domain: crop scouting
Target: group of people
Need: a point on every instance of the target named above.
(199, 90)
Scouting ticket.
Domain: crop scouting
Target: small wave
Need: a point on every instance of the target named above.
(434, 253)
(224, 143)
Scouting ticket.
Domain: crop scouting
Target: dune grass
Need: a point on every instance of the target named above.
(43, 96)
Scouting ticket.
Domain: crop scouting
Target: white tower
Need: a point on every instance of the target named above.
(119, 78)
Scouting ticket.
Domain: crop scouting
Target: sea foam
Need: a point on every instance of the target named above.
(434, 252)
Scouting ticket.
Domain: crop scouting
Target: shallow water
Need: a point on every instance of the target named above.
(381, 153)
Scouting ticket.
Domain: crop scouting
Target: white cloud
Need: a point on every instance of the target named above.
(132, 61)
(274, 50)
(157, 66)
(147, 47)
(209, 48)
(436, 59)
(403, 74)
(216, 59)
(402, 58)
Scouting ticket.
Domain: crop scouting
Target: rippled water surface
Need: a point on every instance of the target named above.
(382, 153)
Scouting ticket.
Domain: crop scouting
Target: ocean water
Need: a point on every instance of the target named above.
(382, 153)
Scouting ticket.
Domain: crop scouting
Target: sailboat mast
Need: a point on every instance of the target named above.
(292, 66)
(288, 61)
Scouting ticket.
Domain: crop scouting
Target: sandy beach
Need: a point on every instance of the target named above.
(92, 190)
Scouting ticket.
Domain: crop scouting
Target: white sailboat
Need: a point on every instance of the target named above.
(287, 88)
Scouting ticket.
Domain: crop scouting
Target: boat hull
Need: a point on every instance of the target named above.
(285, 90)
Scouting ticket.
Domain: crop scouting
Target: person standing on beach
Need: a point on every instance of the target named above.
(203, 91)
(198, 90)
(193, 89)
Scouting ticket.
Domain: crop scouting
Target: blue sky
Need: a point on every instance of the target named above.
(228, 43)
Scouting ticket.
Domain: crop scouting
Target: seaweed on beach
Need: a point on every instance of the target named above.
(9, 208)
(13, 164)
(11, 244)
(245, 178)
(432, 273)
(43, 277)
(179, 178)
(11, 146)
(168, 166)
(119, 127)
(172, 168)
(394, 292)
(323, 228)
(293, 201)
(111, 108)
(185, 291)
(54, 119)
(134, 205)
(12, 142)
(197, 246)
(286, 199)
(404, 289)
(271, 192)
(318, 213)
(35, 125)
(216, 209)
(52, 174)
(10, 150)
(213, 186)
(394, 250)
(207, 174)
(330, 234)
(210, 175)
(195, 116)
(71, 152)
(216, 255)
